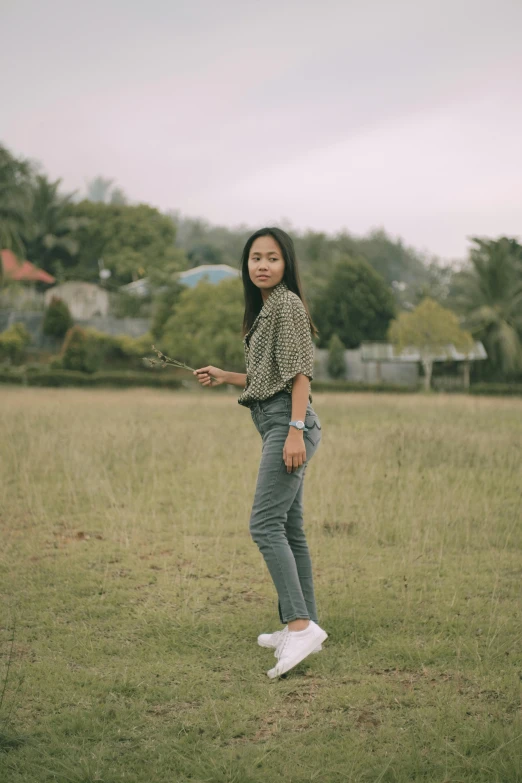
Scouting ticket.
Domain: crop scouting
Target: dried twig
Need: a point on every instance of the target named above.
(167, 360)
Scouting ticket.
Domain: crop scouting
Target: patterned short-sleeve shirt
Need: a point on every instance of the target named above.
(277, 347)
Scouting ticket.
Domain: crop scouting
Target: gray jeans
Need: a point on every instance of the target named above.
(276, 521)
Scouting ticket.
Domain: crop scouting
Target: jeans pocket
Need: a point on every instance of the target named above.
(278, 409)
(314, 430)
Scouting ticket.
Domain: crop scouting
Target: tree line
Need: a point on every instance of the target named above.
(356, 286)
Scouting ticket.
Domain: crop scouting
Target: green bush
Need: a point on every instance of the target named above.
(79, 352)
(57, 319)
(336, 365)
(63, 378)
(88, 350)
(203, 328)
(125, 349)
(497, 389)
(164, 306)
(13, 343)
(7, 376)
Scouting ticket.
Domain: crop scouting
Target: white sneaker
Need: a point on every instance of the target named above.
(295, 647)
(274, 640)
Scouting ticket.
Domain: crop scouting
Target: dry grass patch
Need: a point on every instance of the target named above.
(136, 594)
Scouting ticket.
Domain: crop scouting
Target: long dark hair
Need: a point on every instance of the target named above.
(253, 298)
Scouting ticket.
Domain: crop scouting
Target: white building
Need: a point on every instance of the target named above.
(83, 299)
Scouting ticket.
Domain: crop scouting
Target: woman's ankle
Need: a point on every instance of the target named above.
(298, 625)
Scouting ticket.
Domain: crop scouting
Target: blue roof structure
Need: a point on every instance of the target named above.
(214, 273)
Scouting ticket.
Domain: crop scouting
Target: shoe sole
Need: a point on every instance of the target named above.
(314, 651)
(271, 646)
(278, 670)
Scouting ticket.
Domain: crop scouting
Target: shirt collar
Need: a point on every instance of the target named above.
(274, 294)
(269, 303)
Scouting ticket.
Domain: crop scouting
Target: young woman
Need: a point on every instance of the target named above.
(279, 357)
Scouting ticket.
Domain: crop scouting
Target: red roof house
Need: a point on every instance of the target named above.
(22, 271)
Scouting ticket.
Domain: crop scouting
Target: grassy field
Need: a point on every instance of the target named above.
(132, 593)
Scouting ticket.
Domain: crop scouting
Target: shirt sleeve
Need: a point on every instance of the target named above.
(294, 349)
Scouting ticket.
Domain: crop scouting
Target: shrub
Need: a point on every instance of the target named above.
(7, 376)
(88, 350)
(57, 319)
(164, 306)
(336, 365)
(13, 343)
(59, 378)
(497, 389)
(79, 352)
(123, 349)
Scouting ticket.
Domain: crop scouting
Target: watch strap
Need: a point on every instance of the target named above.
(303, 429)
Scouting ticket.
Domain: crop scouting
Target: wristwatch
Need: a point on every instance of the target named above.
(299, 425)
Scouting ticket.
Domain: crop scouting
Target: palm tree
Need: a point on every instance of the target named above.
(49, 239)
(15, 201)
(488, 293)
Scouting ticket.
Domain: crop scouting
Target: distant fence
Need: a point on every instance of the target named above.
(357, 371)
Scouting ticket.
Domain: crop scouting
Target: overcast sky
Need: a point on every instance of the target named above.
(330, 115)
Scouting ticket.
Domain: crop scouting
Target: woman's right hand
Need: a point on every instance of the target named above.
(204, 373)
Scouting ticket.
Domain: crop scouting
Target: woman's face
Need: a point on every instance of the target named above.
(266, 259)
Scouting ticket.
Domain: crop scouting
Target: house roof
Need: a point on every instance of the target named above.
(189, 277)
(23, 271)
(213, 272)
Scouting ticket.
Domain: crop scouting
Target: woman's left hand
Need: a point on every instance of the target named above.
(294, 450)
